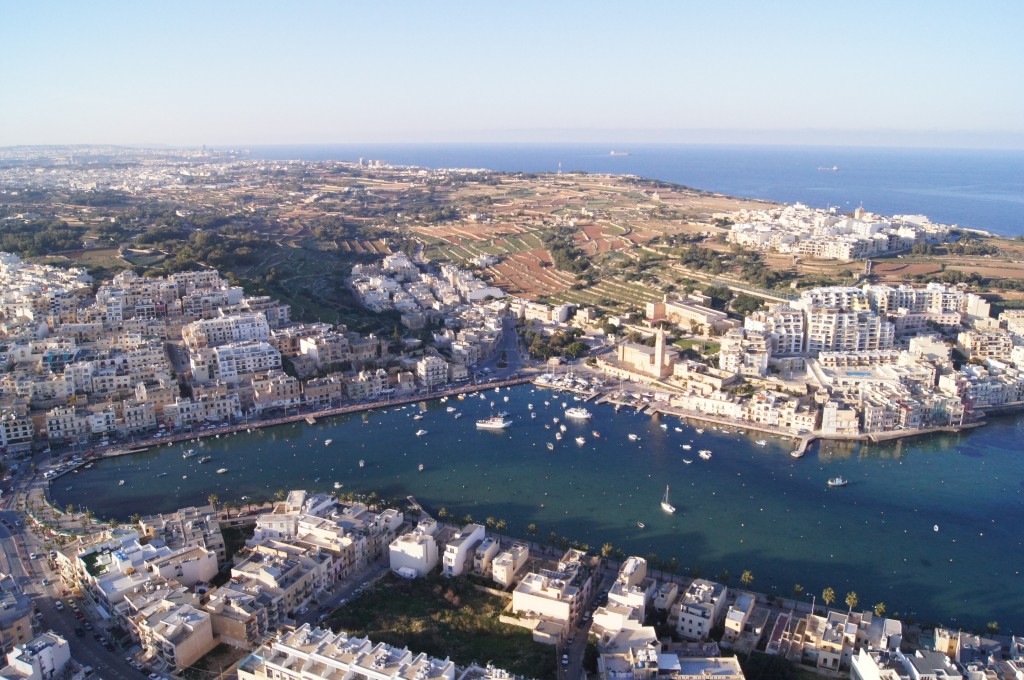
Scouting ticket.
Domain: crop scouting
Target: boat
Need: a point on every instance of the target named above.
(337, 485)
(421, 467)
(420, 433)
(555, 419)
(188, 453)
(547, 403)
(121, 483)
(461, 397)
(222, 471)
(533, 416)
(328, 442)
(581, 441)
(838, 481)
(704, 454)
(678, 429)
(685, 447)
(529, 406)
(633, 437)
(762, 442)
(162, 474)
(618, 153)
(577, 412)
(551, 447)
(506, 398)
(700, 430)
(450, 409)
(362, 463)
(458, 415)
(663, 426)
(641, 525)
(417, 416)
(558, 436)
(796, 453)
(687, 461)
(562, 427)
(204, 459)
(834, 168)
(493, 423)
(596, 433)
(665, 505)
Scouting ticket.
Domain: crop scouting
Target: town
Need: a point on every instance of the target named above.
(100, 367)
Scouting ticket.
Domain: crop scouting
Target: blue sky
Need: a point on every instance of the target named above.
(189, 73)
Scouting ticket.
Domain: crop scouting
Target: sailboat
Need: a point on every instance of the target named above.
(665, 505)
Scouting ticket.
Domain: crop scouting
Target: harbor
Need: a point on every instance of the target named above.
(748, 506)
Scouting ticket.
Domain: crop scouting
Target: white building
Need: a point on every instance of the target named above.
(413, 553)
(459, 550)
(700, 609)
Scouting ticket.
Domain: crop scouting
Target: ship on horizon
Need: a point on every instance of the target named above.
(834, 168)
(618, 153)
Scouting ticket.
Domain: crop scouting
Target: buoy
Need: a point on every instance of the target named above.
(936, 527)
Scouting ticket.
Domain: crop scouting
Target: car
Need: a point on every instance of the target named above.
(302, 610)
(59, 605)
(154, 676)
(572, 639)
(39, 615)
(33, 556)
(88, 626)
(565, 659)
(63, 592)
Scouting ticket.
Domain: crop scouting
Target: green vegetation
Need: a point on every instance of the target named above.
(235, 537)
(445, 618)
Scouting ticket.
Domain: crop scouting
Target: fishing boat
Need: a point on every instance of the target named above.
(188, 453)
(581, 441)
(665, 505)
(704, 454)
(838, 481)
(328, 442)
(205, 459)
(578, 412)
(493, 423)
(420, 433)
(222, 471)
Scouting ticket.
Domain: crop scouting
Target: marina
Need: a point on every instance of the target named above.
(753, 507)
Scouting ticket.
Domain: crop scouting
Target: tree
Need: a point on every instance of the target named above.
(606, 550)
(442, 512)
(212, 499)
(747, 578)
(798, 590)
(531, 529)
(993, 627)
(135, 519)
(467, 519)
(828, 595)
(70, 509)
(851, 600)
(723, 576)
(279, 495)
(501, 524)
(880, 609)
(490, 522)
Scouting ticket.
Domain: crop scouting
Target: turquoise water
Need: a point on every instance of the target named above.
(749, 507)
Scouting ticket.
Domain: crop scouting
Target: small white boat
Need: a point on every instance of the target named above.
(547, 403)
(450, 409)
(121, 483)
(418, 416)
(687, 461)
(641, 525)
(596, 433)
(838, 481)
(506, 398)
(421, 467)
(665, 505)
(328, 442)
(581, 441)
(362, 463)
(704, 454)
(533, 416)
(458, 415)
(700, 430)
(762, 442)
(461, 397)
(420, 433)
(222, 471)
(551, 447)
(678, 429)
(529, 406)
(633, 437)
(558, 436)
(555, 419)
(562, 427)
(686, 447)
(663, 426)
(162, 474)
(337, 485)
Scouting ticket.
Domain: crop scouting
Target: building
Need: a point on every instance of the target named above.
(700, 609)
(15, 614)
(44, 657)
(413, 554)
(459, 550)
(432, 371)
(507, 564)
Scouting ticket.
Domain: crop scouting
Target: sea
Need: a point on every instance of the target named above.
(929, 526)
(974, 189)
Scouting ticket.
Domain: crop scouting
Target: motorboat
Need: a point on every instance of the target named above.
(633, 437)
(665, 505)
(493, 423)
(578, 412)
(121, 483)
(362, 463)
(328, 442)
(222, 471)
(551, 447)
(420, 433)
(762, 442)
(687, 461)
(704, 454)
(581, 441)
(421, 467)
(838, 481)
(558, 436)
(188, 453)
(686, 447)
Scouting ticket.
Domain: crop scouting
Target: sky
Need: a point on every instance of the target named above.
(248, 73)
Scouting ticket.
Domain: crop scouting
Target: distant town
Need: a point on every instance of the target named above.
(131, 315)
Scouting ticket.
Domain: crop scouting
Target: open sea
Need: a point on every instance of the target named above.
(929, 526)
(978, 189)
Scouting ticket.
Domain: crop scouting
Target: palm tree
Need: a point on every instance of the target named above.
(531, 528)
(490, 522)
(747, 578)
(880, 609)
(828, 595)
(993, 627)
(212, 499)
(135, 519)
(606, 550)
(723, 576)
(227, 508)
(468, 519)
(851, 600)
(442, 512)
(279, 495)
(501, 524)
(798, 590)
